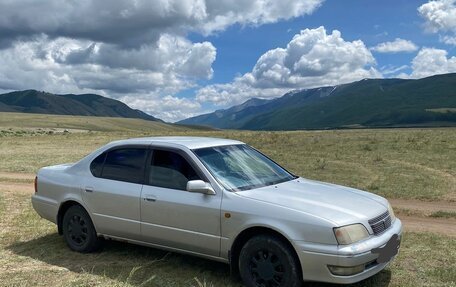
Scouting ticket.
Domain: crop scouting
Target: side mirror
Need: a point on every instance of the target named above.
(200, 186)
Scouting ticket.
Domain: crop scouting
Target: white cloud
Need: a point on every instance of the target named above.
(396, 46)
(223, 13)
(430, 61)
(171, 54)
(312, 58)
(440, 17)
(170, 108)
(123, 49)
(133, 23)
(450, 40)
(64, 65)
(236, 92)
(391, 70)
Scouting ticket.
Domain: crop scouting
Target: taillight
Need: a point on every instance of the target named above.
(36, 184)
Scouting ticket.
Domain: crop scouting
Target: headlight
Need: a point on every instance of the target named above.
(391, 212)
(350, 234)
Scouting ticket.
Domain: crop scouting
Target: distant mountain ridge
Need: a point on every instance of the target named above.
(429, 101)
(32, 101)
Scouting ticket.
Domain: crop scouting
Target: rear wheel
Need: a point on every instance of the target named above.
(267, 261)
(78, 230)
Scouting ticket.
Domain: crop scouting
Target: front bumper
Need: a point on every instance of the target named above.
(315, 258)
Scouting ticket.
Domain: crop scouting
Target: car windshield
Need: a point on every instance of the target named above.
(240, 167)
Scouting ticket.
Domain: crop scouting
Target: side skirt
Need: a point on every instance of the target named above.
(167, 248)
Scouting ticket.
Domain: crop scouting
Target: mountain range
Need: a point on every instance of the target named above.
(429, 101)
(367, 103)
(32, 101)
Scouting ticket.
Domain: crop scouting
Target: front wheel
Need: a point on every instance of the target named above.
(267, 261)
(78, 230)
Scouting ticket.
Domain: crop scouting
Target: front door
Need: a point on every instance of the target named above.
(172, 216)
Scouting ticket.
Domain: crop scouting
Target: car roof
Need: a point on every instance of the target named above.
(188, 142)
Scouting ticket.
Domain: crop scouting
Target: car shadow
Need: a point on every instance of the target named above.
(125, 262)
(138, 265)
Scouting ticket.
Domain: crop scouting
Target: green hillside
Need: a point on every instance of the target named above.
(368, 103)
(31, 101)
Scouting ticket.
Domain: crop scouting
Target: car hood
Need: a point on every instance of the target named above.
(338, 204)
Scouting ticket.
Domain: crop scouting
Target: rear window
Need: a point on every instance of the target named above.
(124, 164)
(97, 165)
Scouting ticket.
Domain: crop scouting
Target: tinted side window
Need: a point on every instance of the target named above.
(97, 165)
(170, 170)
(125, 164)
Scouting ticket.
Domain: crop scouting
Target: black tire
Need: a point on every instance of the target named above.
(78, 230)
(267, 261)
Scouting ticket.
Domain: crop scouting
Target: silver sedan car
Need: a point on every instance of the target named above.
(223, 200)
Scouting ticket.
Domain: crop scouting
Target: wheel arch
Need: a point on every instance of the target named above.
(246, 235)
(64, 206)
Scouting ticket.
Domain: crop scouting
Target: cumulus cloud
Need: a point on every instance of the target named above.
(440, 17)
(125, 23)
(166, 107)
(170, 54)
(223, 13)
(61, 64)
(312, 58)
(431, 61)
(396, 46)
(132, 50)
(133, 23)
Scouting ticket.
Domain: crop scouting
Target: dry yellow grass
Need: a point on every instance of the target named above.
(33, 122)
(401, 163)
(396, 163)
(33, 254)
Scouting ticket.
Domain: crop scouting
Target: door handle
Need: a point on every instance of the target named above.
(88, 189)
(150, 198)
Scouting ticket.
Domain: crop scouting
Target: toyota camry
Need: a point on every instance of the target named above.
(222, 200)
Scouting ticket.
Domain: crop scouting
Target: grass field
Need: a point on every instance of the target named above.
(414, 167)
(40, 123)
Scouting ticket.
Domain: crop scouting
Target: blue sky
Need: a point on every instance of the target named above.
(374, 22)
(176, 59)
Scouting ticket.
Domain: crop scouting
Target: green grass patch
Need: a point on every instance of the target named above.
(409, 212)
(443, 214)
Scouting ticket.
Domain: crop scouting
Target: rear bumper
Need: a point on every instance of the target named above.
(46, 208)
(315, 258)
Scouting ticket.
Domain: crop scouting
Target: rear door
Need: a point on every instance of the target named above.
(172, 216)
(113, 193)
